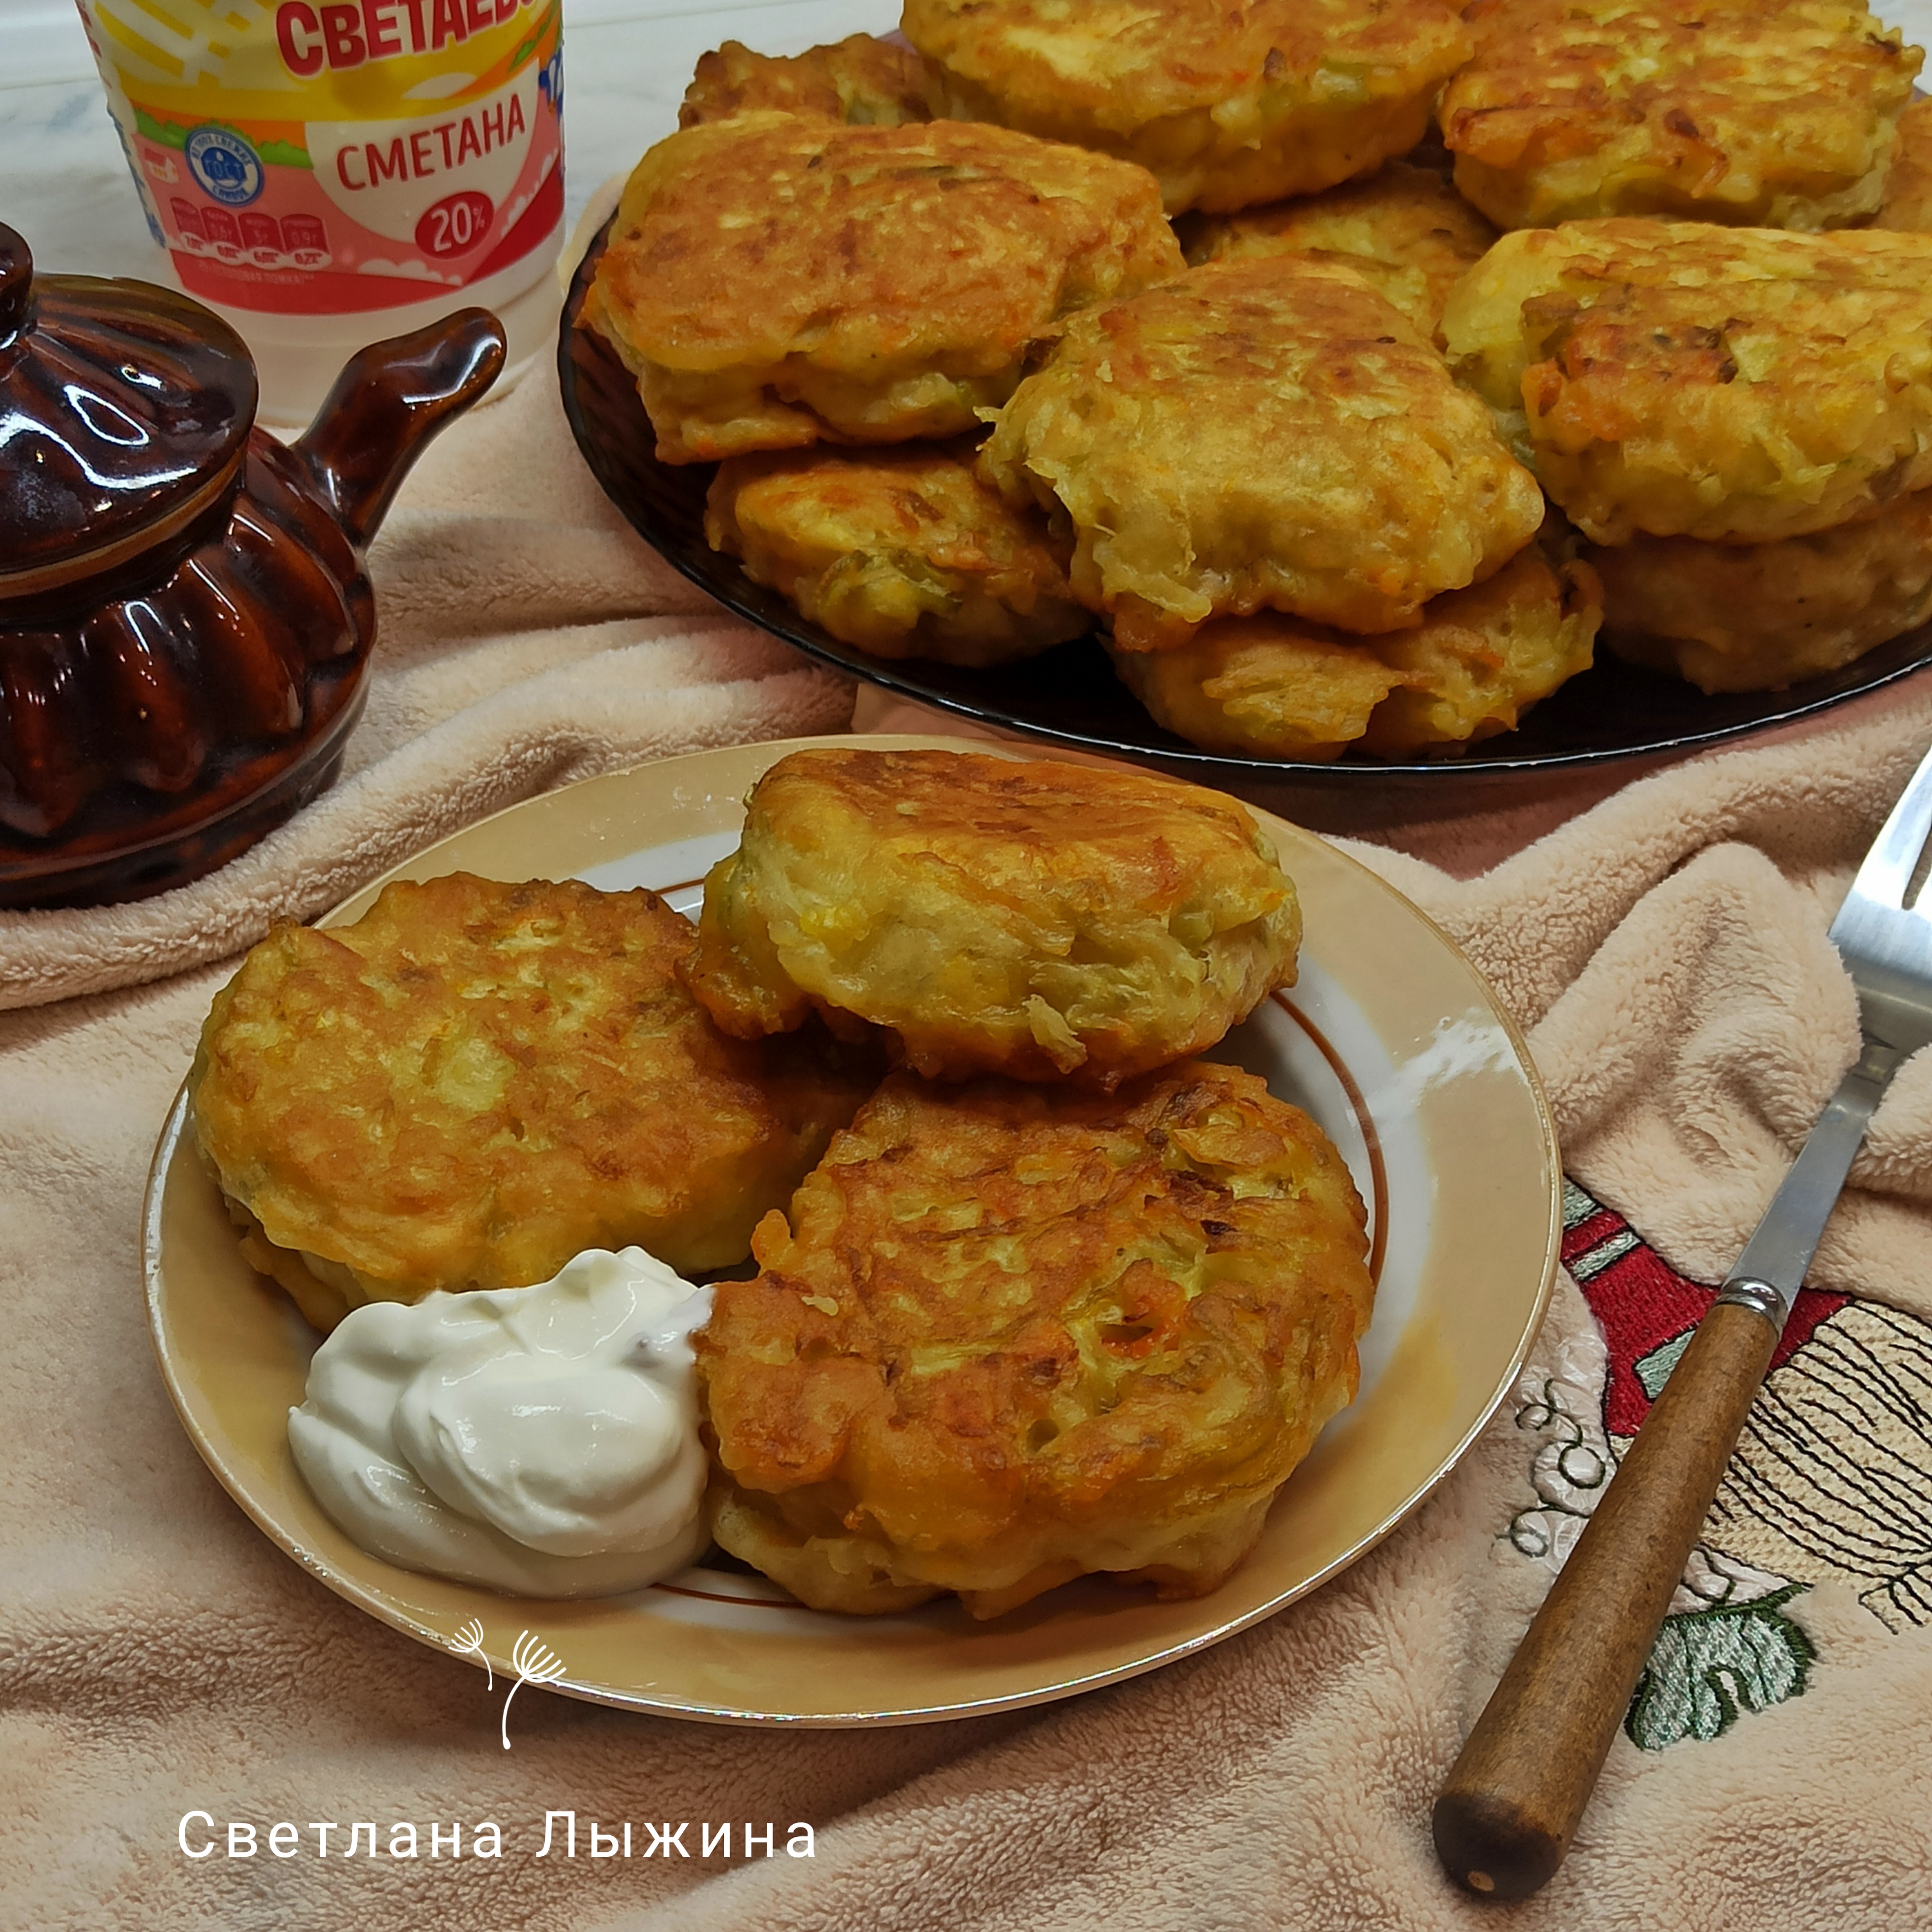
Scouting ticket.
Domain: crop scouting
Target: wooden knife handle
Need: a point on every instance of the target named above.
(1512, 1799)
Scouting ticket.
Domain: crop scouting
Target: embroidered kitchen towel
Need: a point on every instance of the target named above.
(527, 637)
(1666, 951)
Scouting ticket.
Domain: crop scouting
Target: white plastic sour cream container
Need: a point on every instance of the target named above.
(328, 173)
(542, 1441)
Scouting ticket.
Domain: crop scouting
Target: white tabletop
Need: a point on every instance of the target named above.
(64, 185)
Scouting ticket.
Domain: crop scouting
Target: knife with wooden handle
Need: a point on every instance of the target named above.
(1511, 1802)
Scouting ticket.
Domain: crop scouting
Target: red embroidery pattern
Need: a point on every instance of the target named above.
(1642, 1304)
(1832, 1477)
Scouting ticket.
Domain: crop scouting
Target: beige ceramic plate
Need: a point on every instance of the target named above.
(1391, 1038)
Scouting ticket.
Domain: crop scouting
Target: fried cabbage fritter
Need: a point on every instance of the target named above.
(1676, 379)
(1759, 616)
(1766, 115)
(1270, 433)
(1228, 106)
(475, 1081)
(1044, 920)
(1013, 1335)
(1273, 687)
(1908, 187)
(1264, 687)
(776, 279)
(905, 553)
(1403, 230)
(867, 81)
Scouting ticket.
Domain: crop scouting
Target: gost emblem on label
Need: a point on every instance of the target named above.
(334, 158)
(223, 166)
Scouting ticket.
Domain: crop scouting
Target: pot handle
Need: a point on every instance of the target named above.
(16, 285)
(388, 403)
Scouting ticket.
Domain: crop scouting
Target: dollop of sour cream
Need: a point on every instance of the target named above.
(543, 1441)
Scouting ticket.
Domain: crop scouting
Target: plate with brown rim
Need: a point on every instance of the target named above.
(1390, 1037)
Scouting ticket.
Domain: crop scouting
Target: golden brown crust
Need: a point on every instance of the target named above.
(1012, 1335)
(1482, 657)
(1676, 379)
(1403, 230)
(1718, 110)
(1273, 687)
(1266, 434)
(1044, 920)
(475, 1081)
(1266, 687)
(1908, 186)
(863, 80)
(905, 553)
(1760, 616)
(1229, 106)
(775, 280)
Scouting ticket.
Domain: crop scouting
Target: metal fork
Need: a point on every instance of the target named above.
(1511, 1802)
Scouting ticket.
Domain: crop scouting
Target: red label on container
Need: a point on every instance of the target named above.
(331, 217)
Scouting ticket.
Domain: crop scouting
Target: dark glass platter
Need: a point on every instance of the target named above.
(1613, 715)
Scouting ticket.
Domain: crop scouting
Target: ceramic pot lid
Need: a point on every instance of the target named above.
(125, 409)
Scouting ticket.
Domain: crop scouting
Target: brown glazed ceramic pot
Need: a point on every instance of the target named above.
(185, 622)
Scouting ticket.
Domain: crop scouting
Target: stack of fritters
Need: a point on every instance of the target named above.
(1278, 684)
(1229, 105)
(1732, 111)
(1084, 1313)
(1270, 433)
(779, 281)
(1740, 420)
(475, 1081)
(1256, 476)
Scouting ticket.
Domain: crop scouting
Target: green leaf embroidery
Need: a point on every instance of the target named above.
(1653, 1370)
(1707, 1666)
